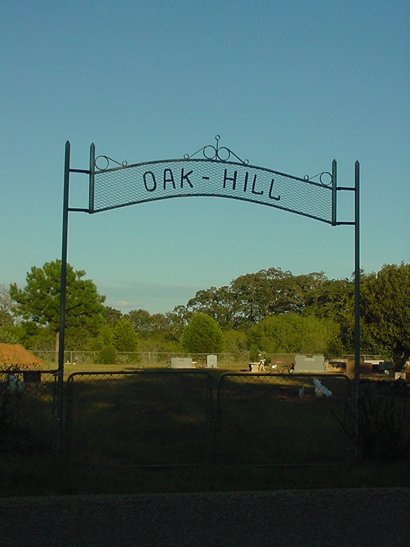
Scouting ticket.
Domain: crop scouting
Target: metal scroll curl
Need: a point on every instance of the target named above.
(325, 178)
(102, 163)
(216, 153)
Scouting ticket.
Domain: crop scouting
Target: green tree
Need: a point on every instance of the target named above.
(35, 336)
(111, 315)
(202, 335)
(147, 325)
(291, 333)
(156, 332)
(8, 331)
(125, 337)
(39, 300)
(6, 313)
(334, 299)
(104, 345)
(385, 306)
(141, 322)
(216, 302)
(177, 320)
(8, 335)
(271, 292)
(235, 341)
(251, 297)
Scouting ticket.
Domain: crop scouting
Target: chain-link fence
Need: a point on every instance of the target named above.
(140, 418)
(234, 361)
(190, 417)
(27, 406)
(175, 417)
(265, 419)
(145, 359)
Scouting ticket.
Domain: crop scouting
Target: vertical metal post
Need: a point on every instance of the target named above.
(63, 290)
(91, 183)
(334, 192)
(357, 274)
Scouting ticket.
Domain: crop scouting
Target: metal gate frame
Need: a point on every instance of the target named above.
(209, 409)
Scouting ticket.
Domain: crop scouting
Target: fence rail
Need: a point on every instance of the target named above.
(265, 419)
(189, 417)
(180, 417)
(140, 417)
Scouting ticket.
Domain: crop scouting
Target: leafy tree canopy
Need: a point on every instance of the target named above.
(334, 299)
(385, 305)
(125, 337)
(6, 314)
(157, 332)
(111, 315)
(202, 335)
(251, 297)
(8, 331)
(147, 324)
(258, 310)
(235, 341)
(291, 332)
(38, 304)
(39, 300)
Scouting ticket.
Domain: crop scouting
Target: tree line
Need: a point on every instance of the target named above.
(270, 311)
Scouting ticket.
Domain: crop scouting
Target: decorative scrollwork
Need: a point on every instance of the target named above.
(216, 153)
(107, 161)
(325, 178)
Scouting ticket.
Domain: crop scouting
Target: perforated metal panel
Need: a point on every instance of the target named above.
(139, 183)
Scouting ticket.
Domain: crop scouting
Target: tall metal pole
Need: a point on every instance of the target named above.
(334, 193)
(91, 179)
(357, 274)
(63, 290)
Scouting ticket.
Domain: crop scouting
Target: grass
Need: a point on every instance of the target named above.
(141, 419)
(47, 475)
(265, 437)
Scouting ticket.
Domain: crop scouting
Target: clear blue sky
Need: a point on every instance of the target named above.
(289, 85)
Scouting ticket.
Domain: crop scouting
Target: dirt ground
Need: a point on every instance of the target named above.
(329, 517)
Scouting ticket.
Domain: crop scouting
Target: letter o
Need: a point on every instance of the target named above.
(154, 187)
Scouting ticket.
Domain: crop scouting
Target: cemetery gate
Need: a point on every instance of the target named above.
(212, 171)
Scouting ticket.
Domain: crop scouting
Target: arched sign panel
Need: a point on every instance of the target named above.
(114, 184)
(219, 172)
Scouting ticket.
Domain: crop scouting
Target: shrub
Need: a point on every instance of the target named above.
(385, 425)
(107, 355)
(202, 335)
(384, 422)
(125, 337)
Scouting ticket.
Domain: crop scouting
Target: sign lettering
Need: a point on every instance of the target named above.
(249, 184)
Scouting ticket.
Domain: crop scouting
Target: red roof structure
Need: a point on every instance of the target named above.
(15, 355)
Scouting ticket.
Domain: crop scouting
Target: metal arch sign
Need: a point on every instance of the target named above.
(218, 173)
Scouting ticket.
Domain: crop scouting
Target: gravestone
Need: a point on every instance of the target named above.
(181, 362)
(316, 363)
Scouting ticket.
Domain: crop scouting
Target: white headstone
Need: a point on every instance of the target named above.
(309, 364)
(211, 361)
(181, 362)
